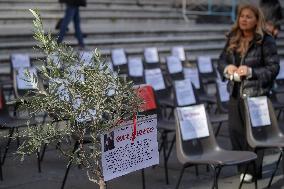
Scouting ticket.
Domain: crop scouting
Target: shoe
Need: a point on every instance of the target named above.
(248, 178)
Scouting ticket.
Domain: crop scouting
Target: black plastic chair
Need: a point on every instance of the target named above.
(206, 151)
(265, 137)
(119, 60)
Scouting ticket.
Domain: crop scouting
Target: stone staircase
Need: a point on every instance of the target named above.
(112, 24)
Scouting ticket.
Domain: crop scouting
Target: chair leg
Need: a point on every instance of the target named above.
(11, 132)
(242, 181)
(171, 147)
(196, 170)
(218, 129)
(273, 173)
(255, 173)
(43, 152)
(180, 177)
(165, 160)
(143, 179)
(216, 172)
(1, 173)
(38, 161)
(69, 165)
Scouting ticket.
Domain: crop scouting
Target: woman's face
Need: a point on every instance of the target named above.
(247, 20)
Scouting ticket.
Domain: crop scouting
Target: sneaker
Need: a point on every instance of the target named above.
(248, 178)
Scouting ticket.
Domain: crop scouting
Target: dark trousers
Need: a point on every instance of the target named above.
(237, 133)
(71, 13)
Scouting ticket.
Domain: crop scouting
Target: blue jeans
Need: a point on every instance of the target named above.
(71, 12)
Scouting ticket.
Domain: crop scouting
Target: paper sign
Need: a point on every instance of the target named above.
(184, 92)
(54, 59)
(258, 110)
(26, 78)
(193, 122)
(205, 64)
(135, 67)
(118, 57)
(86, 57)
(151, 55)
(193, 75)
(20, 61)
(223, 91)
(121, 156)
(281, 71)
(84, 115)
(154, 77)
(59, 87)
(75, 73)
(174, 65)
(179, 53)
(146, 93)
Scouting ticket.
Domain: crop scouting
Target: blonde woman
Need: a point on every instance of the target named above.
(250, 62)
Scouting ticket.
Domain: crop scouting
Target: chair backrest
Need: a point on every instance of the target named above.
(255, 135)
(151, 57)
(197, 146)
(178, 51)
(20, 61)
(175, 68)
(119, 60)
(136, 70)
(206, 68)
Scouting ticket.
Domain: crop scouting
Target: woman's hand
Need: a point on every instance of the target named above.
(231, 69)
(243, 71)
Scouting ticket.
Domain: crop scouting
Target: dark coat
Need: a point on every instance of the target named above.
(76, 3)
(264, 61)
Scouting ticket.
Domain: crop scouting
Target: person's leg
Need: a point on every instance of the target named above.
(77, 27)
(69, 14)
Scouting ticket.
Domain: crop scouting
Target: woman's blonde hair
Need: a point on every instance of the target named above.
(236, 41)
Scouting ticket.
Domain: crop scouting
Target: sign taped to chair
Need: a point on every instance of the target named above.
(178, 52)
(174, 64)
(27, 78)
(258, 110)
(121, 155)
(193, 75)
(151, 55)
(223, 91)
(205, 64)
(184, 92)
(20, 61)
(118, 57)
(154, 77)
(281, 71)
(135, 67)
(193, 122)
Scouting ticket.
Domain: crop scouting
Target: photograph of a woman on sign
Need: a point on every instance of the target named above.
(109, 141)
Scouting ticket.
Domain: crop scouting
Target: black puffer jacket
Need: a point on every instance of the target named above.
(74, 2)
(264, 61)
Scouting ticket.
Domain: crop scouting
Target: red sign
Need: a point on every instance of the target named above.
(147, 94)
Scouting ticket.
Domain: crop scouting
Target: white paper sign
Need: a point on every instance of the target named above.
(135, 67)
(193, 75)
(179, 53)
(54, 59)
(118, 57)
(223, 91)
(205, 64)
(26, 78)
(20, 61)
(86, 57)
(174, 65)
(75, 73)
(121, 155)
(258, 110)
(154, 77)
(85, 115)
(281, 71)
(151, 55)
(193, 122)
(184, 92)
(59, 87)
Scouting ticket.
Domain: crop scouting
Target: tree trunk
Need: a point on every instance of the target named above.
(102, 184)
